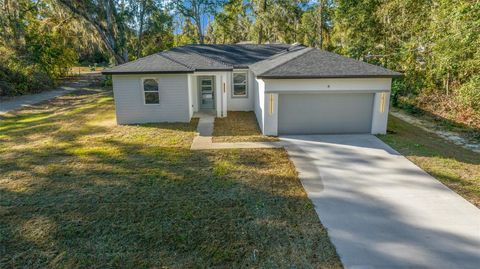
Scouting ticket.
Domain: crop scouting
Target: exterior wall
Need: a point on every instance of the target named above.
(347, 85)
(328, 85)
(380, 118)
(270, 120)
(129, 99)
(241, 103)
(192, 94)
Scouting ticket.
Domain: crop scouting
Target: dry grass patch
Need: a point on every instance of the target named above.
(78, 191)
(456, 167)
(239, 127)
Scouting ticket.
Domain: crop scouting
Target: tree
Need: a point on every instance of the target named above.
(316, 25)
(108, 19)
(277, 20)
(232, 24)
(195, 10)
(188, 34)
(154, 24)
(37, 46)
(158, 34)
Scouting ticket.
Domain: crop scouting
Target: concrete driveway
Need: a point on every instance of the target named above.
(382, 211)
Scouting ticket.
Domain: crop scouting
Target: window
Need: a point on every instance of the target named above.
(240, 88)
(150, 91)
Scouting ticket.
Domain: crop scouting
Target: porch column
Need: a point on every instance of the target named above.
(218, 93)
(225, 89)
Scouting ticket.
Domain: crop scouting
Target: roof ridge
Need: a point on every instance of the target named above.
(206, 57)
(307, 49)
(283, 52)
(173, 60)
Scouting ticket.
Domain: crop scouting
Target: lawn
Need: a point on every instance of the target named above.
(239, 127)
(78, 191)
(454, 166)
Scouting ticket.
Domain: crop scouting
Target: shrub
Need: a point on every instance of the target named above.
(469, 93)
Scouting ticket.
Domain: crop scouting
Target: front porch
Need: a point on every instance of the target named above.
(207, 92)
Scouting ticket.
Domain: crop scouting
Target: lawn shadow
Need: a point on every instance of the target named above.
(165, 207)
(76, 192)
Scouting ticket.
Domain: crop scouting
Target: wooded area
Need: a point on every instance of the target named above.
(435, 43)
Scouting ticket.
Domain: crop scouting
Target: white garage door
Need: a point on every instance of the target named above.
(325, 113)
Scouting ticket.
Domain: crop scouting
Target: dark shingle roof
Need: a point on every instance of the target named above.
(277, 60)
(315, 63)
(266, 61)
(194, 60)
(239, 55)
(155, 63)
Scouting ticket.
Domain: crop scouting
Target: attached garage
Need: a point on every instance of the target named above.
(310, 91)
(325, 113)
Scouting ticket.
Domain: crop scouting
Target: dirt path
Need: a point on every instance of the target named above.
(430, 127)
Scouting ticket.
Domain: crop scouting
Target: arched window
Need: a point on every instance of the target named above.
(150, 90)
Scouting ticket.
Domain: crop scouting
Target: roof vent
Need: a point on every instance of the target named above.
(295, 46)
(245, 42)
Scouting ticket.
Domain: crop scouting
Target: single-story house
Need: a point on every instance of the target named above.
(292, 89)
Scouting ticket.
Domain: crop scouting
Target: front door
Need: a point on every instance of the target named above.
(207, 92)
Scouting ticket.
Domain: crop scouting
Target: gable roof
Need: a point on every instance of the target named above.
(273, 61)
(316, 63)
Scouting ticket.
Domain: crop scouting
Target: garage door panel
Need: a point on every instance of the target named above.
(325, 113)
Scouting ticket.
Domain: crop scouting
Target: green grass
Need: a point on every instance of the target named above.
(239, 127)
(454, 166)
(78, 191)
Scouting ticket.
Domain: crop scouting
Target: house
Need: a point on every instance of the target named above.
(292, 89)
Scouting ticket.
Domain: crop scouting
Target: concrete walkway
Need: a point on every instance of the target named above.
(8, 104)
(381, 210)
(203, 139)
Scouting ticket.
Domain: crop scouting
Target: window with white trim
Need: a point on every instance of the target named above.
(240, 85)
(150, 91)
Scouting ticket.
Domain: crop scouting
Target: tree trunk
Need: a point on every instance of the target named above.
(140, 32)
(447, 84)
(320, 24)
(119, 22)
(198, 21)
(261, 14)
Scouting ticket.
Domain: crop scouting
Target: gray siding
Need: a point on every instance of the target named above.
(129, 102)
(325, 113)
